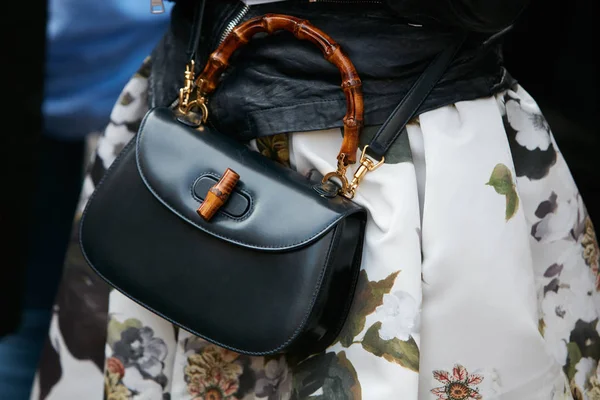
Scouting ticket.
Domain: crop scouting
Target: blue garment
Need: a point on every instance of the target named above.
(20, 352)
(94, 46)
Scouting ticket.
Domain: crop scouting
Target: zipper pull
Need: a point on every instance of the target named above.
(157, 6)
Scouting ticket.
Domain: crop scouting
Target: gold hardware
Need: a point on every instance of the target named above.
(342, 178)
(185, 93)
(348, 190)
(366, 165)
(197, 103)
(340, 174)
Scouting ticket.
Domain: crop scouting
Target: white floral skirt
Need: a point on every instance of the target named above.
(479, 278)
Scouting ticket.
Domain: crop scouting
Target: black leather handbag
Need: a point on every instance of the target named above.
(225, 243)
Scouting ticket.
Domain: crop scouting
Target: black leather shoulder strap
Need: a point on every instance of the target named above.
(393, 127)
(196, 30)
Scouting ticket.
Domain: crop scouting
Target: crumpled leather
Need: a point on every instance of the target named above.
(487, 16)
(279, 84)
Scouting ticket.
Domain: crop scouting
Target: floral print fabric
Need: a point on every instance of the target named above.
(479, 280)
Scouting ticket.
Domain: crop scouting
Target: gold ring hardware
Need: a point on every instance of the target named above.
(340, 174)
(342, 178)
(201, 104)
(367, 164)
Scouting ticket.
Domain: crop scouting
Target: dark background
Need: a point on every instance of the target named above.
(551, 52)
(22, 45)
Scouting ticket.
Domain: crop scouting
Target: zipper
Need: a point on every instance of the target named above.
(157, 6)
(229, 27)
(233, 22)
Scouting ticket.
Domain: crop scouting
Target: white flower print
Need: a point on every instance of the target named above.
(110, 144)
(275, 381)
(561, 388)
(399, 315)
(568, 293)
(139, 348)
(532, 129)
(580, 383)
(145, 389)
(559, 216)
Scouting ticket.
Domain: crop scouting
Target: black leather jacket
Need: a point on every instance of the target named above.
(280, 84)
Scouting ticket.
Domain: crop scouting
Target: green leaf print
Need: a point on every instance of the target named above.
(127, 99)
(354, 384)
(342, 382)
(369, 296)
(574, 356)
(512, 204)
(501, 179)
(405, 353)
(502, 182)
(542, 326)
(144, 71)
(332, 373)
(584, 342)
(275, 147)
(585, 334)
(310, 374)
(115, 328)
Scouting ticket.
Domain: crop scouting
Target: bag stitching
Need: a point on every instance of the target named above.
(140, 137)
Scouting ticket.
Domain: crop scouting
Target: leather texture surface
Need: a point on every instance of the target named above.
(471, 15)
(279, 84)
(245, 297)
(172, 156)
(395, 125)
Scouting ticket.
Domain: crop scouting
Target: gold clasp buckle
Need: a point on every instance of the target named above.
(196, 103)
(185, 93)
(340, 174)
(366, 165)
(348, 189)
(188, 84)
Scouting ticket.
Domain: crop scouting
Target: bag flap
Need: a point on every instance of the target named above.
(272, 208)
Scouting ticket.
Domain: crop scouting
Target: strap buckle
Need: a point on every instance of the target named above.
(188, 85)
(367, 164)
(186, 104)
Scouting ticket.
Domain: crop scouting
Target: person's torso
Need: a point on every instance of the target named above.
(281, 84)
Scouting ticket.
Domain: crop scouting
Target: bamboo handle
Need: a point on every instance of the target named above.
(303, 30)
